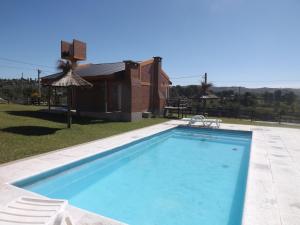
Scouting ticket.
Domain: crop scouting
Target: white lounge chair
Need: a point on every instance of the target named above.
(202, 121)
(35, 211)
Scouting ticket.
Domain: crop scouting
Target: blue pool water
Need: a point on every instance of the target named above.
(183, 176)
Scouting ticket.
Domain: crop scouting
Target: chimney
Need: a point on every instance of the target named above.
(130, 64)
(156, 84)
(131, 92)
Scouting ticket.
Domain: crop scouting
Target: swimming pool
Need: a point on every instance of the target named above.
(180, 176)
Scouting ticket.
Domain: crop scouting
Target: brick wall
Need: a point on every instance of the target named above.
(147, 79)
(147, 72)
(90, 99)
(154, 86)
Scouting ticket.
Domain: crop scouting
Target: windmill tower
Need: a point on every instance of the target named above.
(75, 51)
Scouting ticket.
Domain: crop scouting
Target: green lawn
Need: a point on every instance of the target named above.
(24, 131)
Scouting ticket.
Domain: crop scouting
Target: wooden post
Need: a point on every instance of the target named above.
(69, 107)
(39, 86)
(49, 98)
(55, 97)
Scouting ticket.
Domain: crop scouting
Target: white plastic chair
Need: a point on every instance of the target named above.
(35, 211)
(200, 120)
(197, 119)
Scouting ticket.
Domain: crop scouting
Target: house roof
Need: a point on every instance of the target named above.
(101, 69)
(89, 70)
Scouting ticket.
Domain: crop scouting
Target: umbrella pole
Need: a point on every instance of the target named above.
(69, 107)
(49, 98)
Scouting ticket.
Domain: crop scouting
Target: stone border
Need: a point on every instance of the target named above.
(273, 186)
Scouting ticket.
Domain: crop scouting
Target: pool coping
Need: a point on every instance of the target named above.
(265, 202)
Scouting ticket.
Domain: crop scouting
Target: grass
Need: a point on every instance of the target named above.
(24, 131)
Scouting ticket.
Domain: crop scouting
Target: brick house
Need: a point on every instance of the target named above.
(121, 91)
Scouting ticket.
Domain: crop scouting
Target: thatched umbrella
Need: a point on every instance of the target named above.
(69, 80)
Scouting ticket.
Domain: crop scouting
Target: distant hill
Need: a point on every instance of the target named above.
(256, 90)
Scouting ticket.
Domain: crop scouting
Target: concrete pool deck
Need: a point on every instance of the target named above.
(273, 188)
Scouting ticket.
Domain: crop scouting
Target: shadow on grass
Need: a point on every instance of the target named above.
(31, 130)
(58, 118)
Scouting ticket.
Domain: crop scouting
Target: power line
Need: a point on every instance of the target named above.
(183, 77)
(22, 62)
(17, 67)
(24, 68)
(254, 81)
(198, 76)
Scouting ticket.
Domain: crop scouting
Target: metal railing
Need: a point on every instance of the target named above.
(184, 107)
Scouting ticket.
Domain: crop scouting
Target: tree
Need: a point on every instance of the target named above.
(248, 99)
(176, 91)
(64, 65)
(227, 94)
(268, 97)
(204, 88)
(289, 97)
(277, 95)
(191, 91)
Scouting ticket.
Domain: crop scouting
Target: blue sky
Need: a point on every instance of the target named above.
(253, 43)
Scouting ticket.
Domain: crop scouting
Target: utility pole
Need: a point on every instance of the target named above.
(39, 86)
(205, 78)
